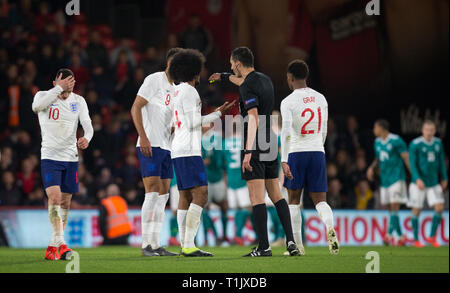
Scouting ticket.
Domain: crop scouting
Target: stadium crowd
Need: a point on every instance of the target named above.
(36, 41)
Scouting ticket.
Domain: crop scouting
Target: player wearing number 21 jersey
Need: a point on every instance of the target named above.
(304, 129)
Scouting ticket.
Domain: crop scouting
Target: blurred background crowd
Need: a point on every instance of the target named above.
(37, 38)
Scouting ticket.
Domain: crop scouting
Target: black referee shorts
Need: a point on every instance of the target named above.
(261, 169)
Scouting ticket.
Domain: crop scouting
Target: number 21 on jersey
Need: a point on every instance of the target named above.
(311, 113)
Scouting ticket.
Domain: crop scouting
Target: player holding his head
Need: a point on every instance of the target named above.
(186, 147)
(429, 179)
(152, 114)
(259, 167)
(391, 155)
(304, 131)
(59, 111)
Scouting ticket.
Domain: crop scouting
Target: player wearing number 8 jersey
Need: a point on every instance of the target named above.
(304, 130)
(59, 110)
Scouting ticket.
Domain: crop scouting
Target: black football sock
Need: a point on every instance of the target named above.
(260, 215)
(285, 217)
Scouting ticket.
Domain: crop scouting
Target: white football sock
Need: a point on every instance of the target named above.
(181, 220)
(193, 218)
(158, 220)
(147, 216)
(57, 238)
(325, 214)
(296, 220)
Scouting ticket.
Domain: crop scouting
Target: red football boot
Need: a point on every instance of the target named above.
(51, 253)
(418, 244)
(65, 252)
(239, 241)
(173, 241)
(388, 239)
(401, 241)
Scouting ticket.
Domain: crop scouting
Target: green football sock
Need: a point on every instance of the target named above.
(208, 223)
(224, 224)
(173, 226)
(437, 217)
(415, 226)
(391, 224)
(397, 226)
(303, 227)
(240, 220)
(275, 220)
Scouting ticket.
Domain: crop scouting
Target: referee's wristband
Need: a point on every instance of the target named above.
(225, 76)
(246, 152)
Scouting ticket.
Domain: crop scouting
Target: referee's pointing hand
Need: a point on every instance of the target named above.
(246, 163)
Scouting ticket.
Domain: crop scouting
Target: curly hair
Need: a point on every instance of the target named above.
(299, 69)
(186, 65)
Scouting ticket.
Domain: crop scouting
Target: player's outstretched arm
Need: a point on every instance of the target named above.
(226, 76)
(371, 170)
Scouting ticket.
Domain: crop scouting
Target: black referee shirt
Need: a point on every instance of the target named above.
(257, 92)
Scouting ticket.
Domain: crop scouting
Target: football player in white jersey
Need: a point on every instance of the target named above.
(152, 114)
(305, 114)
(186, 147)
(59, 110)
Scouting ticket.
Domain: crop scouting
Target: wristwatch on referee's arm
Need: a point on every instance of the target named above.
(225, 76)
(246, 152)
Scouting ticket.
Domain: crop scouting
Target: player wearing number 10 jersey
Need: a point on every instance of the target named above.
(304, 130)
(59, 110)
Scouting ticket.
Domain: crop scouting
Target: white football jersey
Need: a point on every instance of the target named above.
(59, 124)
(305, 116)
(187, 116)
(157, 114)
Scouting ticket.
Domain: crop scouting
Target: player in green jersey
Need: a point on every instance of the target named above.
(213, 159)
(428, 179)
(238, 197)
(174, 198)
(391, 154)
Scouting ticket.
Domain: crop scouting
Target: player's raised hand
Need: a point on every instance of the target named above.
(67, 84)
(370, 174)
(246, 163)
(287, 171)
(146, 147)
(214, 77)
(226, 107)
(82, 143)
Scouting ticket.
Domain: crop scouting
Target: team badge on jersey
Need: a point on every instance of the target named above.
(74, 107)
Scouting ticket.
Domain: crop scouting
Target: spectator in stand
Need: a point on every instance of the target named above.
(123, 69)
(196, 36)
(334, 195)
(7, 161)
(92, 102)
(96, 51)
(358, 172)
(125, 91)
(50, 36)
(129, 174)
(35, 197)
(10, 194)
(332, 139)
(131, 196)
(364, 198)
(27, 178)
(25, 145)
(152, 62)
(124, 46)
(80, 71)
(47, 64)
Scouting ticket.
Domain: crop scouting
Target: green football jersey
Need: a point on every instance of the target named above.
(427, 161)
(388, 153)
(173, 182)
(212, 151)
(232, 153)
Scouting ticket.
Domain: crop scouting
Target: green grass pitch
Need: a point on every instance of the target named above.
(230, 260)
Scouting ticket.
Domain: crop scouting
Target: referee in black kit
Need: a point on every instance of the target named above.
(259, 163)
